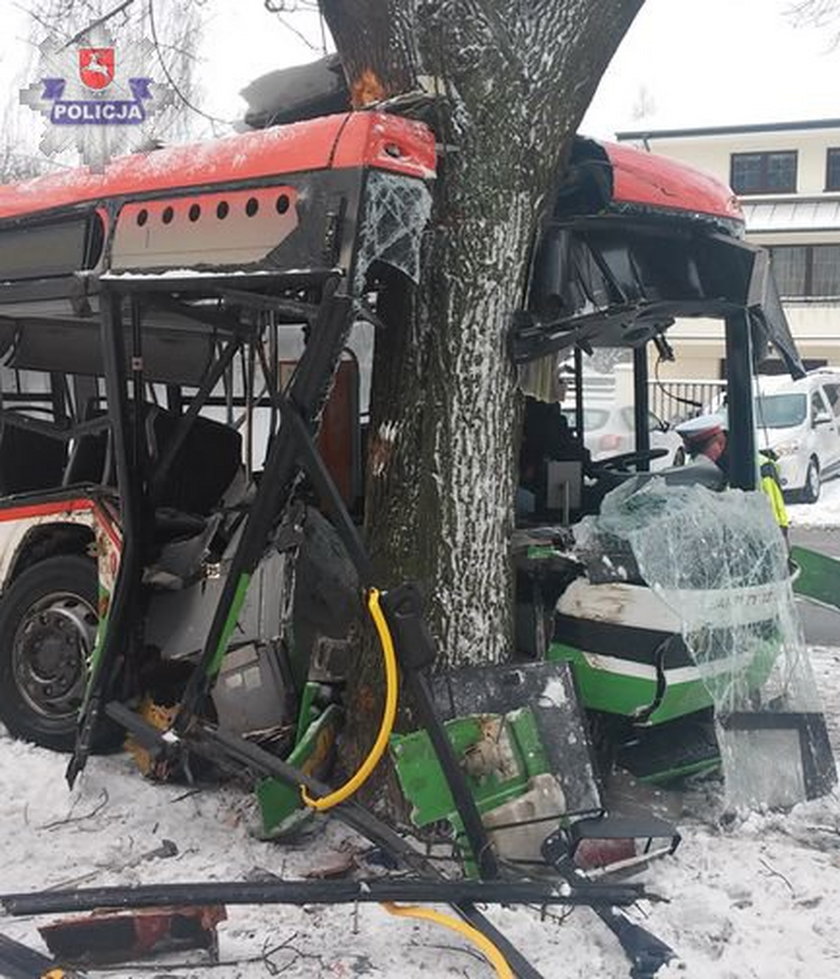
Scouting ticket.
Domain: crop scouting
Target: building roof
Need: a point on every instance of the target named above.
(765, 127)
(792, 215)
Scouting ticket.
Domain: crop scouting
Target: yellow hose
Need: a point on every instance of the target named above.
(481, 942)
(388, 715)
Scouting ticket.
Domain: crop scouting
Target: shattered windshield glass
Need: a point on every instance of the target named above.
(719, 561)
(396, 211)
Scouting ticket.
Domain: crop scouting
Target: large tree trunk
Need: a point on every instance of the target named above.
(514, 80)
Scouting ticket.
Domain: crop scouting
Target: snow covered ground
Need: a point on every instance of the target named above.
(824, 513)
(757, 900)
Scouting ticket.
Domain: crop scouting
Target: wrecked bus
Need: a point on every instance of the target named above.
(158, 545)
(144, 318)
(672, 604)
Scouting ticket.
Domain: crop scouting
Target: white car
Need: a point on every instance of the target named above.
(800, 422)
(610, 431)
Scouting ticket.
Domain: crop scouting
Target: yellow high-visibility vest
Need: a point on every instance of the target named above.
(772, 486)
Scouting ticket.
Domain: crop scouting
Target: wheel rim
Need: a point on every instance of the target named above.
(813, 481)
(50, 651)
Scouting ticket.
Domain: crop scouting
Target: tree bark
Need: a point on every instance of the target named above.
(514, 80)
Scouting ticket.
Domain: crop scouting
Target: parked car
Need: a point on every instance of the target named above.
(800, 422)
(609, 431)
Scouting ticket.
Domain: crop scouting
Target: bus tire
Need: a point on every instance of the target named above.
(48, 621)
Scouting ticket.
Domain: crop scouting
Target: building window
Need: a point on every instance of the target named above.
(832, 169)
(763, 173)
(789, 268)
(825, 270)
(807, 271)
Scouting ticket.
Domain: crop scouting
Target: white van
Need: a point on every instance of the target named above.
(800, 422)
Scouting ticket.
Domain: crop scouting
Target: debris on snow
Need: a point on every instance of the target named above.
(753, 899)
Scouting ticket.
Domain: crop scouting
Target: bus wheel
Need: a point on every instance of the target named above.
(48, 625)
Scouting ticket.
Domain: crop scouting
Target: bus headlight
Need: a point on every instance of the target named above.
(786, 448)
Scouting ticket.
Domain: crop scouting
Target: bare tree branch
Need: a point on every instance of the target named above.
(820, 13)
(50, 28)
(98, 22)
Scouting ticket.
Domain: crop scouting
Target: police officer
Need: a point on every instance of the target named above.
(705, 441)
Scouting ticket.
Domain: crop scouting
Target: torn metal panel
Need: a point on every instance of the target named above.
(306, 91)
(117, 936)
(521, 742)
(548, 690)
(768, 319)
(606, 284)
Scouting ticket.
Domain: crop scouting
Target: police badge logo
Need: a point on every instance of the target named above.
(98, 99)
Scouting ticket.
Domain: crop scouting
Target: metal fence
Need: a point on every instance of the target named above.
(676, 399)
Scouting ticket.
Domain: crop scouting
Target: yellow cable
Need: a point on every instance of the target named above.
(485, 946)
(481, 942)
(388, 715)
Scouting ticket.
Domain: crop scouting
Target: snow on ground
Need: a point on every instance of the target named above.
(757, 900)
(824, 513)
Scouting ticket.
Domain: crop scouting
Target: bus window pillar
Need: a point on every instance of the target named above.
(579, 430)
(739, 396)
(641, 405)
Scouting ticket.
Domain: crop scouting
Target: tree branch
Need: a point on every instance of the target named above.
(98, 22)
(50, 28)
(816, 12)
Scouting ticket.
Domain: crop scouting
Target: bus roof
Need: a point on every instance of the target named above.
(636, 178)
(657, 182)
(356, 139)
(605, 179)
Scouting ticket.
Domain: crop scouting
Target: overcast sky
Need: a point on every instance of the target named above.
(711, 62)
(698, 62)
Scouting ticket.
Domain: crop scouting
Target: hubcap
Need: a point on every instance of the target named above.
(813, 480)
(50, 652)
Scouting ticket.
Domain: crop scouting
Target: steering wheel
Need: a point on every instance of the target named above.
(620, 462)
